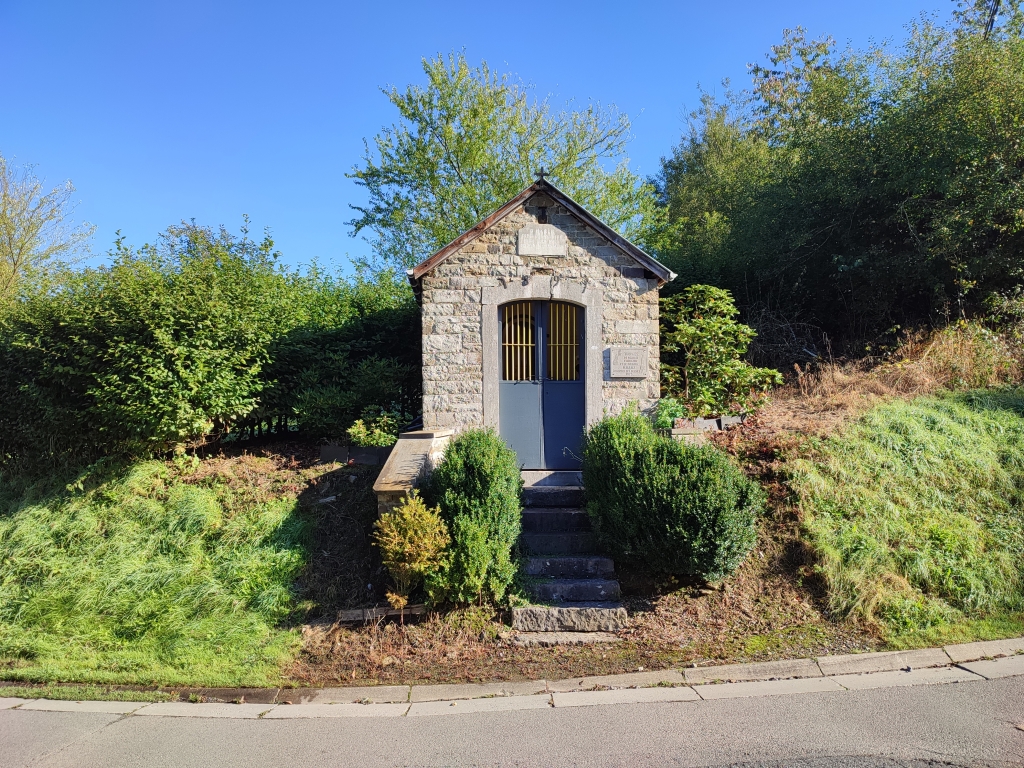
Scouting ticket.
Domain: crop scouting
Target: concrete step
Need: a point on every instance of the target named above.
(559, 543)
(571, 567)
(555, 520)
(570, 617)
(574, 590)
(552, 496)
(558, 477)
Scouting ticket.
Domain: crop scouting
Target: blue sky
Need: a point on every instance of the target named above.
(162, 111)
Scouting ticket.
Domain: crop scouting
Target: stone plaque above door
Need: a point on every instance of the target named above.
(628, 362)
(541, 240)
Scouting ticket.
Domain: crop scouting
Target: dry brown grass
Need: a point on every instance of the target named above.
(773, 607)
(820, 396)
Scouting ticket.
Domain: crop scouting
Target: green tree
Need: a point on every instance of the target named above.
(863, 190)
(37, 235)
(470, 139)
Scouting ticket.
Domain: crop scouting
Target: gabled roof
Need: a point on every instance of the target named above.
(663, 273)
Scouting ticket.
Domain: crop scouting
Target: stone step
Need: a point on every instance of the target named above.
(577, 567)
(578, 543)
(560, 477)
(574, 590)
(552, 496)
(555, 520)
(571, 617)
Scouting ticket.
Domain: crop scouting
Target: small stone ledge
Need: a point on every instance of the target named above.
(882, 661)
(658, 678)
(695, 431)
(759, 671)
(450, 692)
(985, 649)
(569, 618)
(410, 463)
(372, 614)
(666, 685)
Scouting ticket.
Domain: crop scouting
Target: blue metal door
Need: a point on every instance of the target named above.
(541, 392)
(563, 393)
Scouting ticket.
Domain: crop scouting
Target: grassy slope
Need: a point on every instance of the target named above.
(157, 574)
(917, 513)
(192, 575)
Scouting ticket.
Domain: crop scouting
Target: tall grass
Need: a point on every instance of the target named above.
(916, 511)
(146, 578)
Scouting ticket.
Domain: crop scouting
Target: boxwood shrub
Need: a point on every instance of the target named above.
(477, 486)
(677, 508)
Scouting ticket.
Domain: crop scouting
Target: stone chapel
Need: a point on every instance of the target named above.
(537, 322)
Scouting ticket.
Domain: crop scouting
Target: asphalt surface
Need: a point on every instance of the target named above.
(962, 724)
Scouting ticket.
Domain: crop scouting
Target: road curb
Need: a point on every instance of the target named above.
(927, 666)
(703, 694)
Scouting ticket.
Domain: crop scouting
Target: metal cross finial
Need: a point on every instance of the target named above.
(541, 174)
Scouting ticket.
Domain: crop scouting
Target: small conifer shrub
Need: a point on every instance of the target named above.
(412, 539)
(679, 509)
(478, 487)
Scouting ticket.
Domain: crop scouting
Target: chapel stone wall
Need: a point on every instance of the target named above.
(452, 307)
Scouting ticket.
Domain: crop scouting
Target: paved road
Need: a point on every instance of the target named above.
(972, 723)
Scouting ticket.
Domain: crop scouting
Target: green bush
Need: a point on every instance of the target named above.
(412, 540)
(701, 350)
(478, 487)
(678, 509)
(199, 336)
(377, 427)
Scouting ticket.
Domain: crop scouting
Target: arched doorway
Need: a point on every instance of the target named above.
(541, 393)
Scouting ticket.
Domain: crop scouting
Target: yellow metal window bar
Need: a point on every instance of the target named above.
(563, 342)
(518, 342)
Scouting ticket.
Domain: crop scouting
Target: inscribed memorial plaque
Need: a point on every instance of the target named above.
(628, 363)
(541, 240)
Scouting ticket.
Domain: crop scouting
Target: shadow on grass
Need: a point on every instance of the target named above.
(344, 570)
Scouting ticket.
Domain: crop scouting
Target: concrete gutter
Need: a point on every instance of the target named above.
(929, 666)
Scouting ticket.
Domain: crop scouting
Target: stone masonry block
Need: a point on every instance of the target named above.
(442, 343)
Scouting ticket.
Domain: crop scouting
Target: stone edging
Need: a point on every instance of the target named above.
(949, 664)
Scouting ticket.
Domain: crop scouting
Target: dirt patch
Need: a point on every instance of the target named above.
(772, 608)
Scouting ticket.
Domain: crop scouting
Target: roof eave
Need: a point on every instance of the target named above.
(660, 271)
